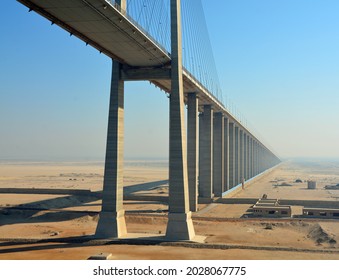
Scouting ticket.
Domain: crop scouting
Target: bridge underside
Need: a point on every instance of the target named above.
(112, 32)
(103, 26)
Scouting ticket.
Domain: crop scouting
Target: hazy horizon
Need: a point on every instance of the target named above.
(146, 159)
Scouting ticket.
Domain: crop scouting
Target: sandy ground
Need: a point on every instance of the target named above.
(323, 173)
(48, 206)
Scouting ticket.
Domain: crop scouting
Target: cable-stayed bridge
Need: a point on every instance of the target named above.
(165, 42)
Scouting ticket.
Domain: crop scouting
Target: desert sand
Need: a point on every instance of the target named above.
(50, 211)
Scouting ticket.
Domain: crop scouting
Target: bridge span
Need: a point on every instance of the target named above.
(219, 151)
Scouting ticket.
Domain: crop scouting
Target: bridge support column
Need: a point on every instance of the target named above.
(231, 155)
(263, 159)
(251, 156)
(257, 170)
(248, 175)
(218, 154)
(254, 158)
(266, 161)
(241, 156)
(226, 154)
(180, 225)
(259, 158)
(206, 155)
(245, 156)
(192, 150)
(111, 218)
(236, 156)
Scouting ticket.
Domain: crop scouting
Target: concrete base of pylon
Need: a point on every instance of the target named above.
(111, 225)
(180, 227)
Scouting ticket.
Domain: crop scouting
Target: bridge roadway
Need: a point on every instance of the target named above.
(108, 29)
(228, 151)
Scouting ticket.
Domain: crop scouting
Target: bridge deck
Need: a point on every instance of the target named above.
(102, 25)
(106, 28)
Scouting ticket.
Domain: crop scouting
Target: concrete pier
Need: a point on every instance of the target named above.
(226, 155)
(258, 158)
(255, 155)
(180, 225)
(111, 222)
(218, 154)
(206, 155)
(251, 158)
(231, 159)
(248, 173)
(192, 149)
(262, 161)
(236, 156)
(241, 155)
(245, 156)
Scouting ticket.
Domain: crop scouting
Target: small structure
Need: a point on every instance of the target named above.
(321, 213)
(311, 185)
(265, 207)
(272, 211)
(298, 181)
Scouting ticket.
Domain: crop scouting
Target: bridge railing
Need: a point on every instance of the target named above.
(130, 18)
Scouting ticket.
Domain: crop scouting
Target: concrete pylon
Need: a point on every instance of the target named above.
(226, 155)
(180, 225)
(111, 222)
(248, 157)
(231, 155)
(218, 154)
(246, 149)
(260, 159)
(256, 158)
(206, 155)
(192, 149)
(255, 165)
(245, 156)
(251, 156)
(241, 156)
(236, 156)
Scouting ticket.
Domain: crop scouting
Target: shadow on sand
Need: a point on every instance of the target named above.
(72, 242)
(28, 212)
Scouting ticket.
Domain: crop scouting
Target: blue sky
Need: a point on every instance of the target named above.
(277, 60)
